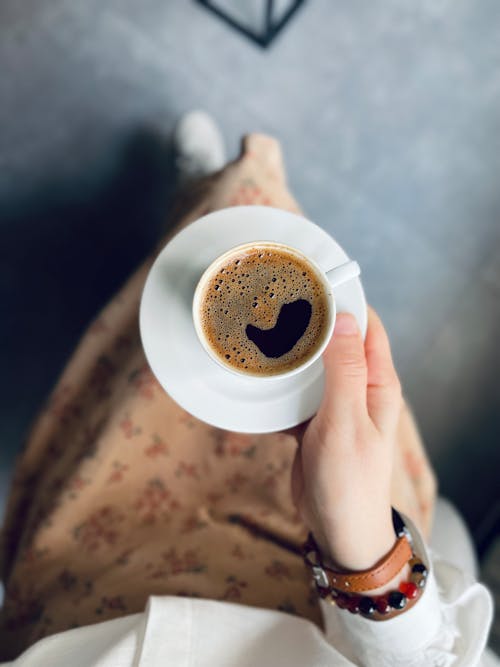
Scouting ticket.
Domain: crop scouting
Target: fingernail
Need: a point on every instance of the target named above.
(345, 325)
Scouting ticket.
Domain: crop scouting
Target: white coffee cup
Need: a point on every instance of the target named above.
(328, 279)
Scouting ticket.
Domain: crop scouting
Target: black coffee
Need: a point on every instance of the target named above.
(264, 310)
(291, 324)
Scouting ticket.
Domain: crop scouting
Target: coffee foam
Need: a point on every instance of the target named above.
(250, 287)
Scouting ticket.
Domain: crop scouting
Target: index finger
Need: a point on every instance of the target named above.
(345, 372)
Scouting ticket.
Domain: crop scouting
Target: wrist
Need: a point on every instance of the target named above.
(360, 552)
(394, 583)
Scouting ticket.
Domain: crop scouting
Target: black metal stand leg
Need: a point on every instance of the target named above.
(271, 29)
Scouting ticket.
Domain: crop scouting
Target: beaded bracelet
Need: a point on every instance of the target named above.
(381, 606)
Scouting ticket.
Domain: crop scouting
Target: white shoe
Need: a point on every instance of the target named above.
(199, 146)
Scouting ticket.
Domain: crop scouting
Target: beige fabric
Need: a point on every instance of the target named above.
(120, 494)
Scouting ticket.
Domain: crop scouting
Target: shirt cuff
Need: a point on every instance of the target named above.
(404, 633)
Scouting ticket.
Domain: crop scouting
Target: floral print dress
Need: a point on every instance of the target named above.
(120, 494)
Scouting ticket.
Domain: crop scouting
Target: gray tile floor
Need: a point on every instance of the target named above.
(388, 114)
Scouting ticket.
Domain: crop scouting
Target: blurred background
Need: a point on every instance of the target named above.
(388, 114)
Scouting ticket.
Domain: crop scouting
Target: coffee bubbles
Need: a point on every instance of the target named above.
(263, 310)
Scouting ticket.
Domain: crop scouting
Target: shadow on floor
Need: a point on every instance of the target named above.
(65, 250)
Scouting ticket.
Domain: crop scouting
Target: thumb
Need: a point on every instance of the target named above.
(345, 371)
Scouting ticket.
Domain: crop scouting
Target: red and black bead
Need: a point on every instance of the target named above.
(382, 605)
(409, 589)
(420, 568)
(342, 601)
(367, 606)
(397, 600)
(353, 604)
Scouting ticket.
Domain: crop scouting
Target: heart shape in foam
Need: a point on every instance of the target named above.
(290, 326)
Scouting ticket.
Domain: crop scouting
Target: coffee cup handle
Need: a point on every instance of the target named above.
(342, 273)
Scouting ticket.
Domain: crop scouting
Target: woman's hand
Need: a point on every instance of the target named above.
(342, 472)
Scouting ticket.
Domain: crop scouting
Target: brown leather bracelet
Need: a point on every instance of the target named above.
(388, 604)
(358, 582)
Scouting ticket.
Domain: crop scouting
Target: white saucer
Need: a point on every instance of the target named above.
(175, 355)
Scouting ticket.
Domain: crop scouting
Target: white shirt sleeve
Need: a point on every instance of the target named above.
(448, 626)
